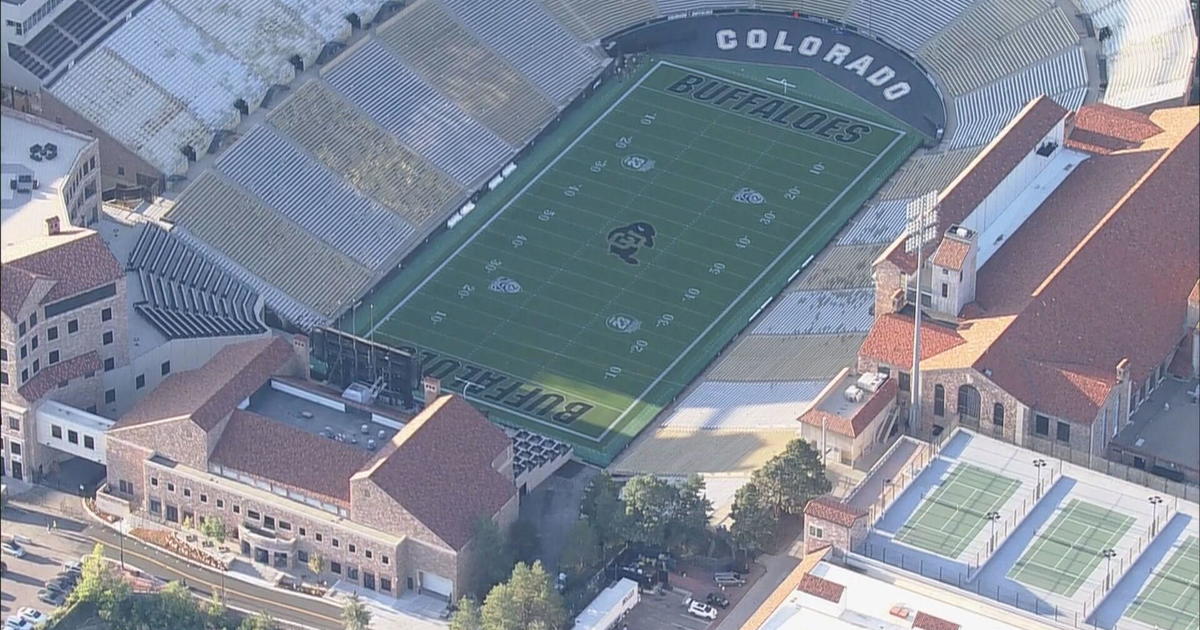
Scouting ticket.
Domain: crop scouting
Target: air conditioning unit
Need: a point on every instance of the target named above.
(854, 393)
(871, 381)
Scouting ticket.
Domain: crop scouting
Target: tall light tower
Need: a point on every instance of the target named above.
(922, 221)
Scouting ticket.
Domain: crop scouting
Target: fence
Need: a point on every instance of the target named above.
(1086, 459)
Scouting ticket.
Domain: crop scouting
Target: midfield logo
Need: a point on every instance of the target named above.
(749, 195)
(624, 242)
(639, 163)
(622, 323)
(504, 284)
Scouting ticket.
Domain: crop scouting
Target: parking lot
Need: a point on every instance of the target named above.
(44, 556)
(663, 611)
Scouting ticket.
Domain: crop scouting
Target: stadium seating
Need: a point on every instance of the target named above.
(980, 114)
(925, 172)
(280, 253)
(112, 9)
(1150, 50)
(21, 55)
(552, 59)
(261, 33)
(745, 406)
(52, 45)
(169, 51)
(786, 357)
(185, 295)
(818, 313)
(102, 89)
(486, 87)
(377, 81)
(287, 179)
(879, 222)
(907, 24)
(328, 17)
(842, 267)
(832, 9)
(591, 20)
(369, 158)
(79, 21)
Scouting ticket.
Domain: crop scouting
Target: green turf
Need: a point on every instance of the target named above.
(1066, 553)
(1171, 601)
(551, 356)
(953, 515)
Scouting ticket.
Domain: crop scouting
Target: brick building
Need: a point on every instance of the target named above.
(1055, 292)
(392, 507)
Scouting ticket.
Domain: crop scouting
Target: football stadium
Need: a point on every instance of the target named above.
(568, 210)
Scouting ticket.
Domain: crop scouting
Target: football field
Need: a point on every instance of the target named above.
(600, 288)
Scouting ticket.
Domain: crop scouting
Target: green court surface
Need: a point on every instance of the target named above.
(1067, 552)
(609, 278)
(1171, 601)
(952, 515)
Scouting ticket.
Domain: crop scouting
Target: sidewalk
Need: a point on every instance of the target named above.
(409, 611)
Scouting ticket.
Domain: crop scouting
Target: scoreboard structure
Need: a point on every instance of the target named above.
(342, 359)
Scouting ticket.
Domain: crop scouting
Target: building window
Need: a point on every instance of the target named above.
(21, 329)
(268, 522)
(968, 402)
(52, 333)
(319, 537)
(166, 368)
(172, 514)
(110, 396)
(107, 337)
(3, 378)
(284, 525)
(1041, 425)
(110, 364)
(251, 514)
(24, 375)
(352, 548)
(73, 326)
(53, 357)
(32, 320)
(939, 400)
(73, 437)
(816, 532)
(154, 481)
(302, 556)
(33, 343)
(220, 504)
(335, 567)
(351, 572)
(24, 352)
(945, 290)
(1139, 462)
(170, 487)
(140, 381)
(1062, 432)
(155, 506)
(89, 442)
(368, 553)
(37, 366)
(905, 381)
(336, 543)
(120, 170)
(124, 487)
(384, 558)
(237, 509)
(3, 354)
(998, 414)
(106, 314)
(15, 447)
(303, 532)
(385, 585)
(56, 431)
(187, 492)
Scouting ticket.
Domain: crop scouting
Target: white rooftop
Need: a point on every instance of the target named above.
(24, 214)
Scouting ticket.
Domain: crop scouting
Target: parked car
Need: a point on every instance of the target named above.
(60, 585)
(54, 598)
(718, 600)
(11, 548)
(702, 610)
(728, 578)
(34, 616)
(71, 566)
(17, 623)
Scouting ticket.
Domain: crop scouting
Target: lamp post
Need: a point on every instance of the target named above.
(1108, 554)
(922, 217)
(1039, 464)
(1154, 501)
(992, 517)
(121, 538)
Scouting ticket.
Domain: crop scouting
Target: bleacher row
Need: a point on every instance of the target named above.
(184, 294)
(66, 33)
(1150, 52)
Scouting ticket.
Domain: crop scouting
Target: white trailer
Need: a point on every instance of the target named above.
(609, 607)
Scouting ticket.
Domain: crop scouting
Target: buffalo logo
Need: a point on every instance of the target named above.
(625, 242)
(748, 195)
(639, 163)
(623, 323)
(504, 284)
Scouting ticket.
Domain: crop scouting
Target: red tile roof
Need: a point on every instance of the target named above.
(951, 253)
(273, 450)
(891, 339)
(439, 468)
(209, 393)
(926, 621)
(989, 168)
(1106, 121)
(49, 378)
(1111, 298)
(820, 587)
(854, 425)
(830, 509)
(1194, 296)
(75, 266)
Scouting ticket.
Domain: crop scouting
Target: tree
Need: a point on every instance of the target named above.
(177, 608)
(523, 543)
(689, 527)
(527, 600)
(604, 509)
(213, 528)
(582, 550)
(261, 621)
(215, 612)
(467, 617)
(355, 614)
(792, 477)
(491, 560)
(316, 564)
(754, 518)
(651, 505)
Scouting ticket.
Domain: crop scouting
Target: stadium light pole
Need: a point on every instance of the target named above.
(1154, 501)
(1109, 554)
(922, 215)
(1039, 464)
(992, 517)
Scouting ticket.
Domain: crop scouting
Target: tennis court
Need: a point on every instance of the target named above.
(953, 514)
(1171, 601)
(1067, 552)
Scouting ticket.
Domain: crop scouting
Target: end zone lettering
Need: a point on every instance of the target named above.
(813, 46)
(767, 107)
(485, 384)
